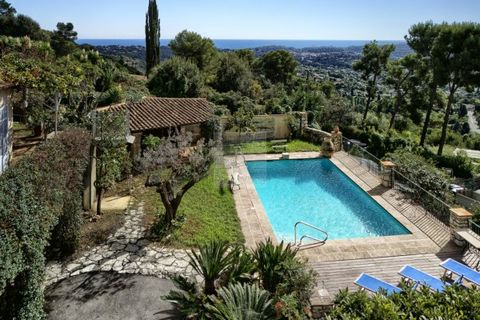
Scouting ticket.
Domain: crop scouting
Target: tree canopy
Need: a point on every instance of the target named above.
(278, 66)
(372, 63)
(175, 77)
(233, 74)
(152, 36)
(192, 46)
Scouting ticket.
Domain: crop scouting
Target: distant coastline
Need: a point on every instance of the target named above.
(244, 43)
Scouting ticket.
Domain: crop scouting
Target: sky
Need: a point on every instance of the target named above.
(250, 19)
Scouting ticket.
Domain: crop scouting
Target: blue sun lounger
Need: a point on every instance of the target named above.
(461, 270)
(422, 278)
(374, 285)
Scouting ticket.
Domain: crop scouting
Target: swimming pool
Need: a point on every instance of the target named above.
(317, 192)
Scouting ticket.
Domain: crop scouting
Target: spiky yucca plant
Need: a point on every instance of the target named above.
(271, 260)
(212, 261)
(241, 302)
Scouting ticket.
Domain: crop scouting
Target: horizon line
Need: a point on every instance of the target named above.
(88, 38)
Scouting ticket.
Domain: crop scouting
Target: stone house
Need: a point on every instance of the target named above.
(158, 116)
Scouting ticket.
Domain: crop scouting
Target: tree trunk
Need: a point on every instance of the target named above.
(426, 123)
(209, 286)
(99, 200)
(443, 137)
(58, 99)
(370, 97)
(395, 110)
(99, 188)
(367, 106)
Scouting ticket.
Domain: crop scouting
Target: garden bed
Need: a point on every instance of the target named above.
(267, 147)
(208, 209)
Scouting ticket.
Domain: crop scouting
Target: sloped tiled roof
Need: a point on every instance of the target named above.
(156, 113)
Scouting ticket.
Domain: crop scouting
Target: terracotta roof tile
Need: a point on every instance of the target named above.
(157, 113)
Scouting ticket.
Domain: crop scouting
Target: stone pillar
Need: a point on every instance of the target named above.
(387, 173)
(459, 219)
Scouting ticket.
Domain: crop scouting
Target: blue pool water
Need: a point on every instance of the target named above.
(317, 192)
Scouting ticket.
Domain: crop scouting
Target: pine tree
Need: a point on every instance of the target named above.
(152, 35)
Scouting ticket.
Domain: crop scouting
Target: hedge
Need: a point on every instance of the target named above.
(38, 195)
(456, 302)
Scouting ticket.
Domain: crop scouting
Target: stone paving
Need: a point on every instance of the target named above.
(126, 251)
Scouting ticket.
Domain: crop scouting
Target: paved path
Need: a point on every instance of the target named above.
(109, 296)
(127, 251)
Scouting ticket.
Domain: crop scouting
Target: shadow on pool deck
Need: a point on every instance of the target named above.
(110, 296)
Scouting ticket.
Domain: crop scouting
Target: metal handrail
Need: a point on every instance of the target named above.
(307, 236)
(238, 150)
(397, 172)
(475, 227)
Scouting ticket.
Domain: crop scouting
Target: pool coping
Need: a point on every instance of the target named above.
(256, 226)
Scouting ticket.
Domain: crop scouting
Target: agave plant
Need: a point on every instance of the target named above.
(212, 262)
(240, 302)
(270, 261)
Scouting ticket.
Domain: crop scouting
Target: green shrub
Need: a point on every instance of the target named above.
(422, 171)
(453, 138)
(151, 141)
(455, 302)
(35, 197)
(286, 283)
(112, 96)
(461, 165)
(76, 148)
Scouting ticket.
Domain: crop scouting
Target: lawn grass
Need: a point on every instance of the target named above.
(209, 211)
(266, 147)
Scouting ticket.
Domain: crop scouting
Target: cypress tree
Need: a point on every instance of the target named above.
(152, 35)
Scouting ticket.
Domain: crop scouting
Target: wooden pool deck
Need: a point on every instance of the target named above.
(339, 262)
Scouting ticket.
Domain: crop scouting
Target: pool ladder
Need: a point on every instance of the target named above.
(317, 241)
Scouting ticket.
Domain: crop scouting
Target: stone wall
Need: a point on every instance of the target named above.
(267, 127)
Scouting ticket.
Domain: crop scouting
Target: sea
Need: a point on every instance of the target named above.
(234, 44)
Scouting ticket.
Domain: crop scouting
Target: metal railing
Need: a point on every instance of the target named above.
(475, 227)
(361, 155)
(437, 208)
(299, 243)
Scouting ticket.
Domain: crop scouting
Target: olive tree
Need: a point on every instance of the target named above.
(174, 167)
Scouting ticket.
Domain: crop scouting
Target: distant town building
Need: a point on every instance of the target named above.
(6, 126)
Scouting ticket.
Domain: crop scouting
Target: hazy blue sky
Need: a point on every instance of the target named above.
(251, 19)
